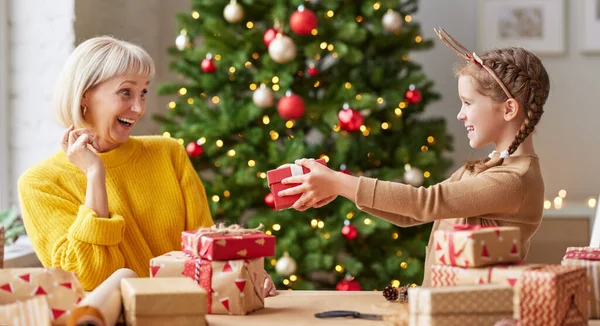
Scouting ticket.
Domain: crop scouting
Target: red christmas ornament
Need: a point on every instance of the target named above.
(193, 149)
(349, 232)
(290, 107)
(312, 71)
(413, 95)
(348, 284)
(208, 65)
(344, 170)
(350, 119)
(303, 21)
(269, 36)
(270, 200)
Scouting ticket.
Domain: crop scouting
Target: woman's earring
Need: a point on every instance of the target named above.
(84, 110)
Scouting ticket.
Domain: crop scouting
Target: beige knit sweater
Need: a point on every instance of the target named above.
(508, 195)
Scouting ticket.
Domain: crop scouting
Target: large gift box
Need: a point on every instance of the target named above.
(234, 286)
(61, 289)
(476, 246)
(460, 305)
(589, 258)
(224, 243)
(549, 295)
(154, 298)
(274, 178)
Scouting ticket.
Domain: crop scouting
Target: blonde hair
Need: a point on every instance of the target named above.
(91, 63)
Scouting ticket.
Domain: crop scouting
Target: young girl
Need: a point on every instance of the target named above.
(503, 92)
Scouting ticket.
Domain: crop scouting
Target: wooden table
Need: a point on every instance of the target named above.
(299, 307)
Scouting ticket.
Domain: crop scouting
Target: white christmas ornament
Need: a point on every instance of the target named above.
(392, 21)
(181, 41)
(282, 49)
(286, 265)
(314, 137)
(263, 97)
(414, 177)
(233, 12)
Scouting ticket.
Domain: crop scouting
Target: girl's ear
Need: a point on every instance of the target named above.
(511, 109)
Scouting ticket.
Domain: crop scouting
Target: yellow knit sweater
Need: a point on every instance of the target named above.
(153, 191)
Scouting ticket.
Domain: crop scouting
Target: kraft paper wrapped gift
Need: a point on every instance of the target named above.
(549, 295)
(173, 321)
(224, 243)
(589, 258)
(162, 297)
(476, 246)
(233, 286)
(480, 305)
(274, 178)
(30, 312)
(61, 289)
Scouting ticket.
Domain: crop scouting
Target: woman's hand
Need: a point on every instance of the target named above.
(317, 187)
(269, 289)
(76, 144)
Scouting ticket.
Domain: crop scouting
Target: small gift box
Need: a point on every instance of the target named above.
(61, 289)
(460, 305)
(476, 246)
(223, 243)
(30, 312)
(589, 258)
(168, 265)
(549, 295)
(149, 298)
(274, 178)
(235, 287)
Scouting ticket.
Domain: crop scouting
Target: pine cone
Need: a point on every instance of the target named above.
(403, 293)
(390, 293)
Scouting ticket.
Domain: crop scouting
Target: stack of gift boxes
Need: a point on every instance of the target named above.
(480, 264)
(588, 258)
(227, 262)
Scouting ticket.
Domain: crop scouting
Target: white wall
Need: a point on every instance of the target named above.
(565, 139)
(40, 39)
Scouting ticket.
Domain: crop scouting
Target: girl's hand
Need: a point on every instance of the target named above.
(317, 187)
(76, 144)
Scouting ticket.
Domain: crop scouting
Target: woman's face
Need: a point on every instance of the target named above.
(113, 107)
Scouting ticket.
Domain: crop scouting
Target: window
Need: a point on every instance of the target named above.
(4, 123)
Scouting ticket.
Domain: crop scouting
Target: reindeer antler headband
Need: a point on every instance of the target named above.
(464, 53)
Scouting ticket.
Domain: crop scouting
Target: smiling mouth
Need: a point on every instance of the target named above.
(126, 122)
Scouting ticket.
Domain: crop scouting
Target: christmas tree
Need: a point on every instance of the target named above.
(265, 82)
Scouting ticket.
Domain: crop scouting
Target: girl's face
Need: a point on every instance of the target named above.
(483, 118)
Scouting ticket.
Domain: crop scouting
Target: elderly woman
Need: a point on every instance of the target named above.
(108, 200)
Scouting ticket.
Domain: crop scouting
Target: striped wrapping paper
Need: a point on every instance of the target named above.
(31, 312)
(590, 259)
(548, 295)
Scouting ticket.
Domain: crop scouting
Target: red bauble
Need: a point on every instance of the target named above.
(303, 21)
(350, 120)
(349, 232)
(290, 107)
(208, 65)
(413, 96)
(193, 149)
(313, 71)
(269, 36)
(344, 171)
(270, 200)
(348, 284)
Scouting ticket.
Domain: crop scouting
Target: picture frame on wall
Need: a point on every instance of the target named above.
(590, 24)
(536, 25)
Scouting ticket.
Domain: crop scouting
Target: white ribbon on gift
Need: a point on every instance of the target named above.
(296, 169)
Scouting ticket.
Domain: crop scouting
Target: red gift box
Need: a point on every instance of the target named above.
(274, 178)
(224, 246)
